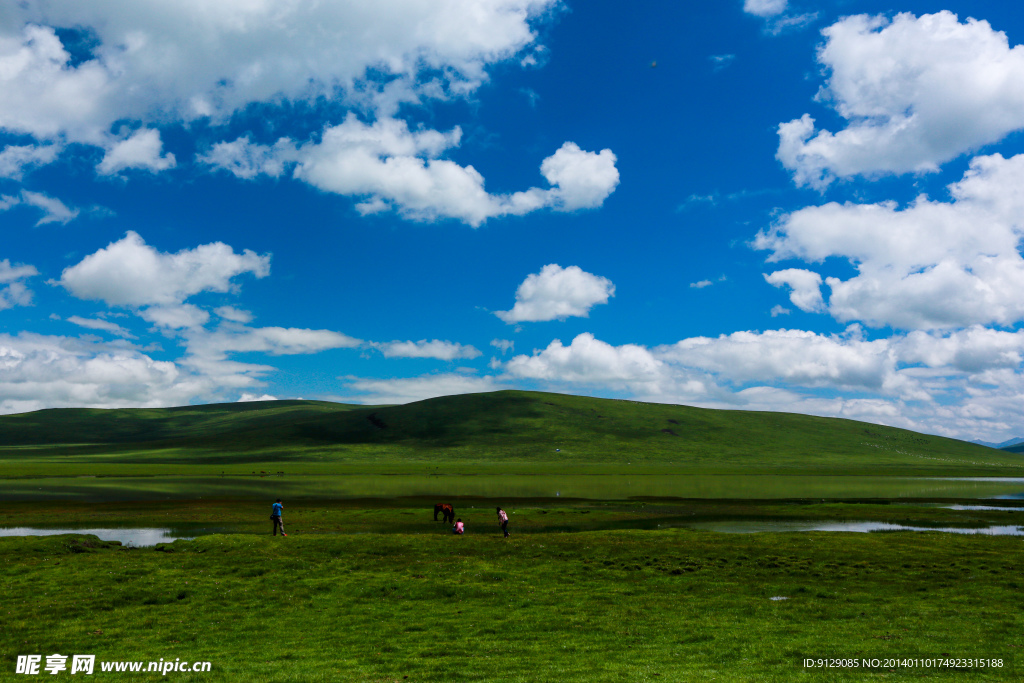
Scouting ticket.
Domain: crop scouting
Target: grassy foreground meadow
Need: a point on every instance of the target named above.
(591, 606)
(372, 589)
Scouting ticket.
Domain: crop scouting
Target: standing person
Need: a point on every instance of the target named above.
(275, 517)
(503, 521)
(459, 527)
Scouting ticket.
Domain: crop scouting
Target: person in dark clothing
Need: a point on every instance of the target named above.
(503, 521)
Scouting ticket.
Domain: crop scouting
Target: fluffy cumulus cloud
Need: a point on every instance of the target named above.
(804, 285)
(916, 92)
(177, 317)
(129, 272)
(972, 350)
(235, 315)
(73, 72)
(39, 371)
(437, 349)
(13, 290)
(406, 390)
(792, 356)
(391, 167)
(776, 15)
(247, 397)
(557, 292)
(960, 384)
(765, 8)
(152, 61)
(590, 361)
(15, 160)
(143, 150)
(929, 265)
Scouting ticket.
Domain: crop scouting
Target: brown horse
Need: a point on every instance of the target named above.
(445, 509)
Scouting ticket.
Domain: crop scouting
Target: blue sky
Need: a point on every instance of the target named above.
(759, 204)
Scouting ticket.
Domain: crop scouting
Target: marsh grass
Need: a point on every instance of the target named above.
(590, 605)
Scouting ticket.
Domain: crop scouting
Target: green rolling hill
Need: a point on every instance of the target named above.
(511, 431)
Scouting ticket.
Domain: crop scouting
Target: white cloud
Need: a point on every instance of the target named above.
(961, 384)
(12, 273)
(143, 149)
(930, 265)
(15, 292)
(246, 397)
(805, 286)
(778, 310)
(131, 273)
(793, 356)
(701, 284)
(54, 210)
(972, 350)
(590, 361)
(245, 159)
(581, 180)
(233, 314)
(721, 61)
(176, 317)
(393, 167)
(152, 65)
(916, 91)
(16, 159)
(557, 292)
(277, 341)
(765, 8)
(39, 371)
(155, 62)
(441, 350)
(104, 325)
(503, 345)
(406, 390)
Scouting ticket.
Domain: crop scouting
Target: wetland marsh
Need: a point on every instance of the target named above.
(611, 572)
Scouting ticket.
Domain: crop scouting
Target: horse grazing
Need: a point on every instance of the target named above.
(445, 509)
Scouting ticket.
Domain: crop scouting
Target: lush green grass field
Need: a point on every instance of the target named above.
(536, 516)
(594, 605)
(499, 432)
(585, 590)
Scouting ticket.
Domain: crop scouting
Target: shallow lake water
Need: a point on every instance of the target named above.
(145, 537)
(133, 537)
(753, 527)
(593, 487)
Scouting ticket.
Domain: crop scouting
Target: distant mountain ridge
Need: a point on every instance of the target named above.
(1006, 444)
(533, 431)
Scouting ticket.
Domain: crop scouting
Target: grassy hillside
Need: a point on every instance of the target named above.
(507, 431)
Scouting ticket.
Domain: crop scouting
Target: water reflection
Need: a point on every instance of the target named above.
(754, 527)
(132, 537)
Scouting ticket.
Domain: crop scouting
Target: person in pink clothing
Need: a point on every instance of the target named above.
(459, 527)
(503, 521)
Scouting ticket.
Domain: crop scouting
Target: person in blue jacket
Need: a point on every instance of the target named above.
(275, 517)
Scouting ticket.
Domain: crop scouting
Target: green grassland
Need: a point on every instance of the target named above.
(596, 588)
(499, 432)
(581, 604)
